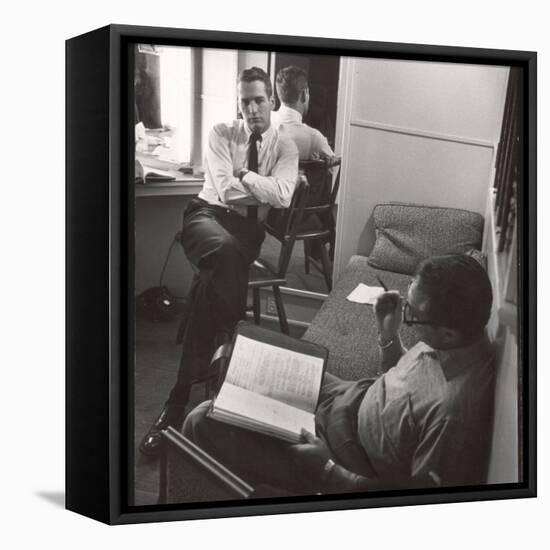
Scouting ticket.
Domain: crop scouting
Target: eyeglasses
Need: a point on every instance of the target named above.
(409, 318)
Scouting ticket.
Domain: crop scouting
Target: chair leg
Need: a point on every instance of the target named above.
(280, 309)
(256, 304)
(326, 266)
(306, 257)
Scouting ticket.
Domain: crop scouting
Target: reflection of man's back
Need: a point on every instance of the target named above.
(293, 90)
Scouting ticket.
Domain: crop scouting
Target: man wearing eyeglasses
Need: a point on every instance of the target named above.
(426, 421)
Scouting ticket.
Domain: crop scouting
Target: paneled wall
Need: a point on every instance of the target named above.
(413, 131)
(504, 466)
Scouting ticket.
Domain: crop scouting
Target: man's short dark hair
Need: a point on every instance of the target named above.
(459, 293)
(255, 73)
(291, 82)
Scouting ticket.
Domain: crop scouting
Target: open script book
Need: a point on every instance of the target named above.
(272, 384)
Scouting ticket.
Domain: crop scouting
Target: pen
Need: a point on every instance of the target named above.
(382, 283)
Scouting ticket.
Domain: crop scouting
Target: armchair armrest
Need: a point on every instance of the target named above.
(201, 465)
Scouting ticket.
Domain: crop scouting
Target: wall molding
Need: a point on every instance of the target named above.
(417, 132)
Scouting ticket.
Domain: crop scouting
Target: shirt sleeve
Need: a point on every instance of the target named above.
(277, 188)
(321, 146)
(220, 167)
(436, 453)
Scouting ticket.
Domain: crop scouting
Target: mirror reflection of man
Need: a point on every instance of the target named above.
(249, 167)
(293, 90)
(426, 421)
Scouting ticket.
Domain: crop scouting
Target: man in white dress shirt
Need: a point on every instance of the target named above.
(293, 90)
(249, 167)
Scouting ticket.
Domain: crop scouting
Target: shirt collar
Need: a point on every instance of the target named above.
(287, 114)
(265, 136)
(454, 361)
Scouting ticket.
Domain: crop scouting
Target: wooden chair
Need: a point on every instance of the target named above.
(262, 273)
(318, 220)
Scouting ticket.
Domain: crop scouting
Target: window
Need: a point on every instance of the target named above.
(163, 80)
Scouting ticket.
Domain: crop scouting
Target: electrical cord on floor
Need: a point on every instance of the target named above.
(158, 303)
(161, 278)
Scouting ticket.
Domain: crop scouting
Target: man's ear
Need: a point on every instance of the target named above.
(272, 101)
(450, 336)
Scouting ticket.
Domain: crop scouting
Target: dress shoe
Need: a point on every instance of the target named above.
(151, 444)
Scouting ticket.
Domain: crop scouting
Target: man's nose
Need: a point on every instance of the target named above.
(253, 107)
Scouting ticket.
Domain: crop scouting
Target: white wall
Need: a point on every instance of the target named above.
(219, 89)
(249, 58)
(413, 131)
(157, 220)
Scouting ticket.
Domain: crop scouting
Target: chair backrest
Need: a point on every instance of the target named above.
(322, 193)
(286, 225)
(294, 218)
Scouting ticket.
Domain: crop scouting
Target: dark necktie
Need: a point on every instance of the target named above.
(253, 167)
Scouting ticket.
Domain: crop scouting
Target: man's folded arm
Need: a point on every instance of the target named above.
(220, 165)
(277, 188)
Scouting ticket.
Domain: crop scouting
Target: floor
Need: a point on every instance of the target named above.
(156, 364)
(296, 275)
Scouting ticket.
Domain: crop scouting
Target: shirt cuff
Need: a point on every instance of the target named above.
(250, 183)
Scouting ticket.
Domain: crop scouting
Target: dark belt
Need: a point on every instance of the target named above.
(197, 203)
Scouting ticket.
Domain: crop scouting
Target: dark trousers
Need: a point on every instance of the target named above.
(261, 459)
(221, 244)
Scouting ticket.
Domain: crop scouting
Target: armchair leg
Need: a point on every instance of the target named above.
(326, 266)
(280, 310)
(256, 304)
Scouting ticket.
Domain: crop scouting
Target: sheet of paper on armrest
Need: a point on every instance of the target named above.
(264, 410)
(364, 294)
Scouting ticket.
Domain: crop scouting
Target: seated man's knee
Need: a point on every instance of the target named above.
(194, 422)
(228, 248)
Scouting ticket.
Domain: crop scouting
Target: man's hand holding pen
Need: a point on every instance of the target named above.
(388, 312)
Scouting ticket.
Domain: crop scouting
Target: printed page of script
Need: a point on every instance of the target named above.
(288, 376)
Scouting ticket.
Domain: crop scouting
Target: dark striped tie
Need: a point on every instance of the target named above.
(253, 167)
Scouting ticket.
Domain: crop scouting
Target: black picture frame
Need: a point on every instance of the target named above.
(100, 301)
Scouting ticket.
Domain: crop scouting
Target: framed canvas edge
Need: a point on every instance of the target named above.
(118, 511)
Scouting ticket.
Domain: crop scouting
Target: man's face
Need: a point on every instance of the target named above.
(255, 105)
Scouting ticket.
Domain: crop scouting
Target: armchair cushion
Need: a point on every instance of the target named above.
(408, 233)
